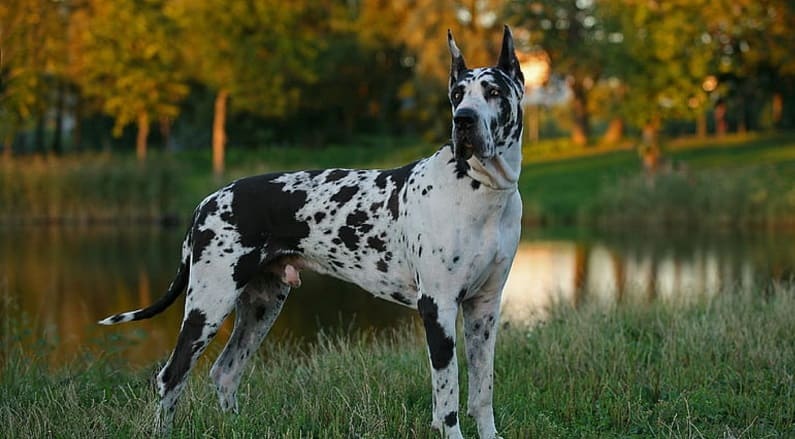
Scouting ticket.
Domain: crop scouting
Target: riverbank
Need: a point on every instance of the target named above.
(718, 368)
(736, 182)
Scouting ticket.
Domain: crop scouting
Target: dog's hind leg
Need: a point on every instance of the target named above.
(255, 311)
(210, 298)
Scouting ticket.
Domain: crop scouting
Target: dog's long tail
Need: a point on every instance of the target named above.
(174, 290)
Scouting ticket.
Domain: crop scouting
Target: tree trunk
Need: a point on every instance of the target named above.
(742, 120)
(580, 118)
(701, 125)
(532, 123)
(77, 129)
(38, 135)
(721, 127)
(615, 131)
(165, 132)
(143, 134)
(8, 144)
(57, 137)
(219, 132)
(650, 149)
(778, 109)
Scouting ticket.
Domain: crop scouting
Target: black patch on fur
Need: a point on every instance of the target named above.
(344, 194)
(376, 244)
(451, 419)
(475, 184)
(246, 267)
(319, 217)
(382, 266)
(399, 177)
(356, 218)
(265, 213)
(461, 168)
(201, 240)
(348, 237)
(211, 206)
(336, 174)
(441, 347)
(393, 205)
(186, 346)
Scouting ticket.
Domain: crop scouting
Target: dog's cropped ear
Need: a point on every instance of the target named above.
(508, 62)
(458, 67)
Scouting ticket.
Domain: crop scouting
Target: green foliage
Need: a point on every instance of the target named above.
(710, 368)
(261, 52)
(124, 58)
(347, 68)
(31, 54)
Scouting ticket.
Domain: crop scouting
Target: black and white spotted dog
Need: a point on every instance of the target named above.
(433, 235)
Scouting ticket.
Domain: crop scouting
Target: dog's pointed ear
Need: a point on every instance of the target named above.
(458, 67)
(508, 62)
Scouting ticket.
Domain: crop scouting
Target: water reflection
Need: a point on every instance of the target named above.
(609, 271)
(56, 283)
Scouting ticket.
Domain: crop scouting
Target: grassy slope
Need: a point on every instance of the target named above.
(719, 369)
(557, 190)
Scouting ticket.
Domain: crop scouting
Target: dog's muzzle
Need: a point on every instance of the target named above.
(467, 137)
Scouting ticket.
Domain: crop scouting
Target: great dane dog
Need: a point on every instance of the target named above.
(433, 235)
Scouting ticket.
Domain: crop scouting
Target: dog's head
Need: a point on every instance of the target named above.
(487, 114)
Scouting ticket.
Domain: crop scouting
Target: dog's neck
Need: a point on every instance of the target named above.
(500, 172)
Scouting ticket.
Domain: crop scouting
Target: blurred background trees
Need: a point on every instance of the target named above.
(90, 74)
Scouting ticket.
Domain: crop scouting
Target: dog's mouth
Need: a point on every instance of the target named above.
(468, 144)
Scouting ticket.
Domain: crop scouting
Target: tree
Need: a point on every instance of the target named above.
(419, 28)
(31, 48)
(752, 42)
(580, 42)
(124, 57)
(255, 54)
(664, 60)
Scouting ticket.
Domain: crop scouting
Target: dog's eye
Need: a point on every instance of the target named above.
(456, 96)
(494, 92)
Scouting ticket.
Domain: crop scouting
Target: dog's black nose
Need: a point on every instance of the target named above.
(465, 118)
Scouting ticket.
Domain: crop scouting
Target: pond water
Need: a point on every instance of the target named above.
(55, 283)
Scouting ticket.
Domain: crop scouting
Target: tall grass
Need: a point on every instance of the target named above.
(720, 368)
(754, 196)
(100, 187)
(87, 188)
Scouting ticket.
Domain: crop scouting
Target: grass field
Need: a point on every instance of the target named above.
(722, 368)
(733, 182)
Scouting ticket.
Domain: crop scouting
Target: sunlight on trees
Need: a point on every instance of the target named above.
(263, 72)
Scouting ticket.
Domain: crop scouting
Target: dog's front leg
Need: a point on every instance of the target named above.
(439, 319)
(481, 316)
